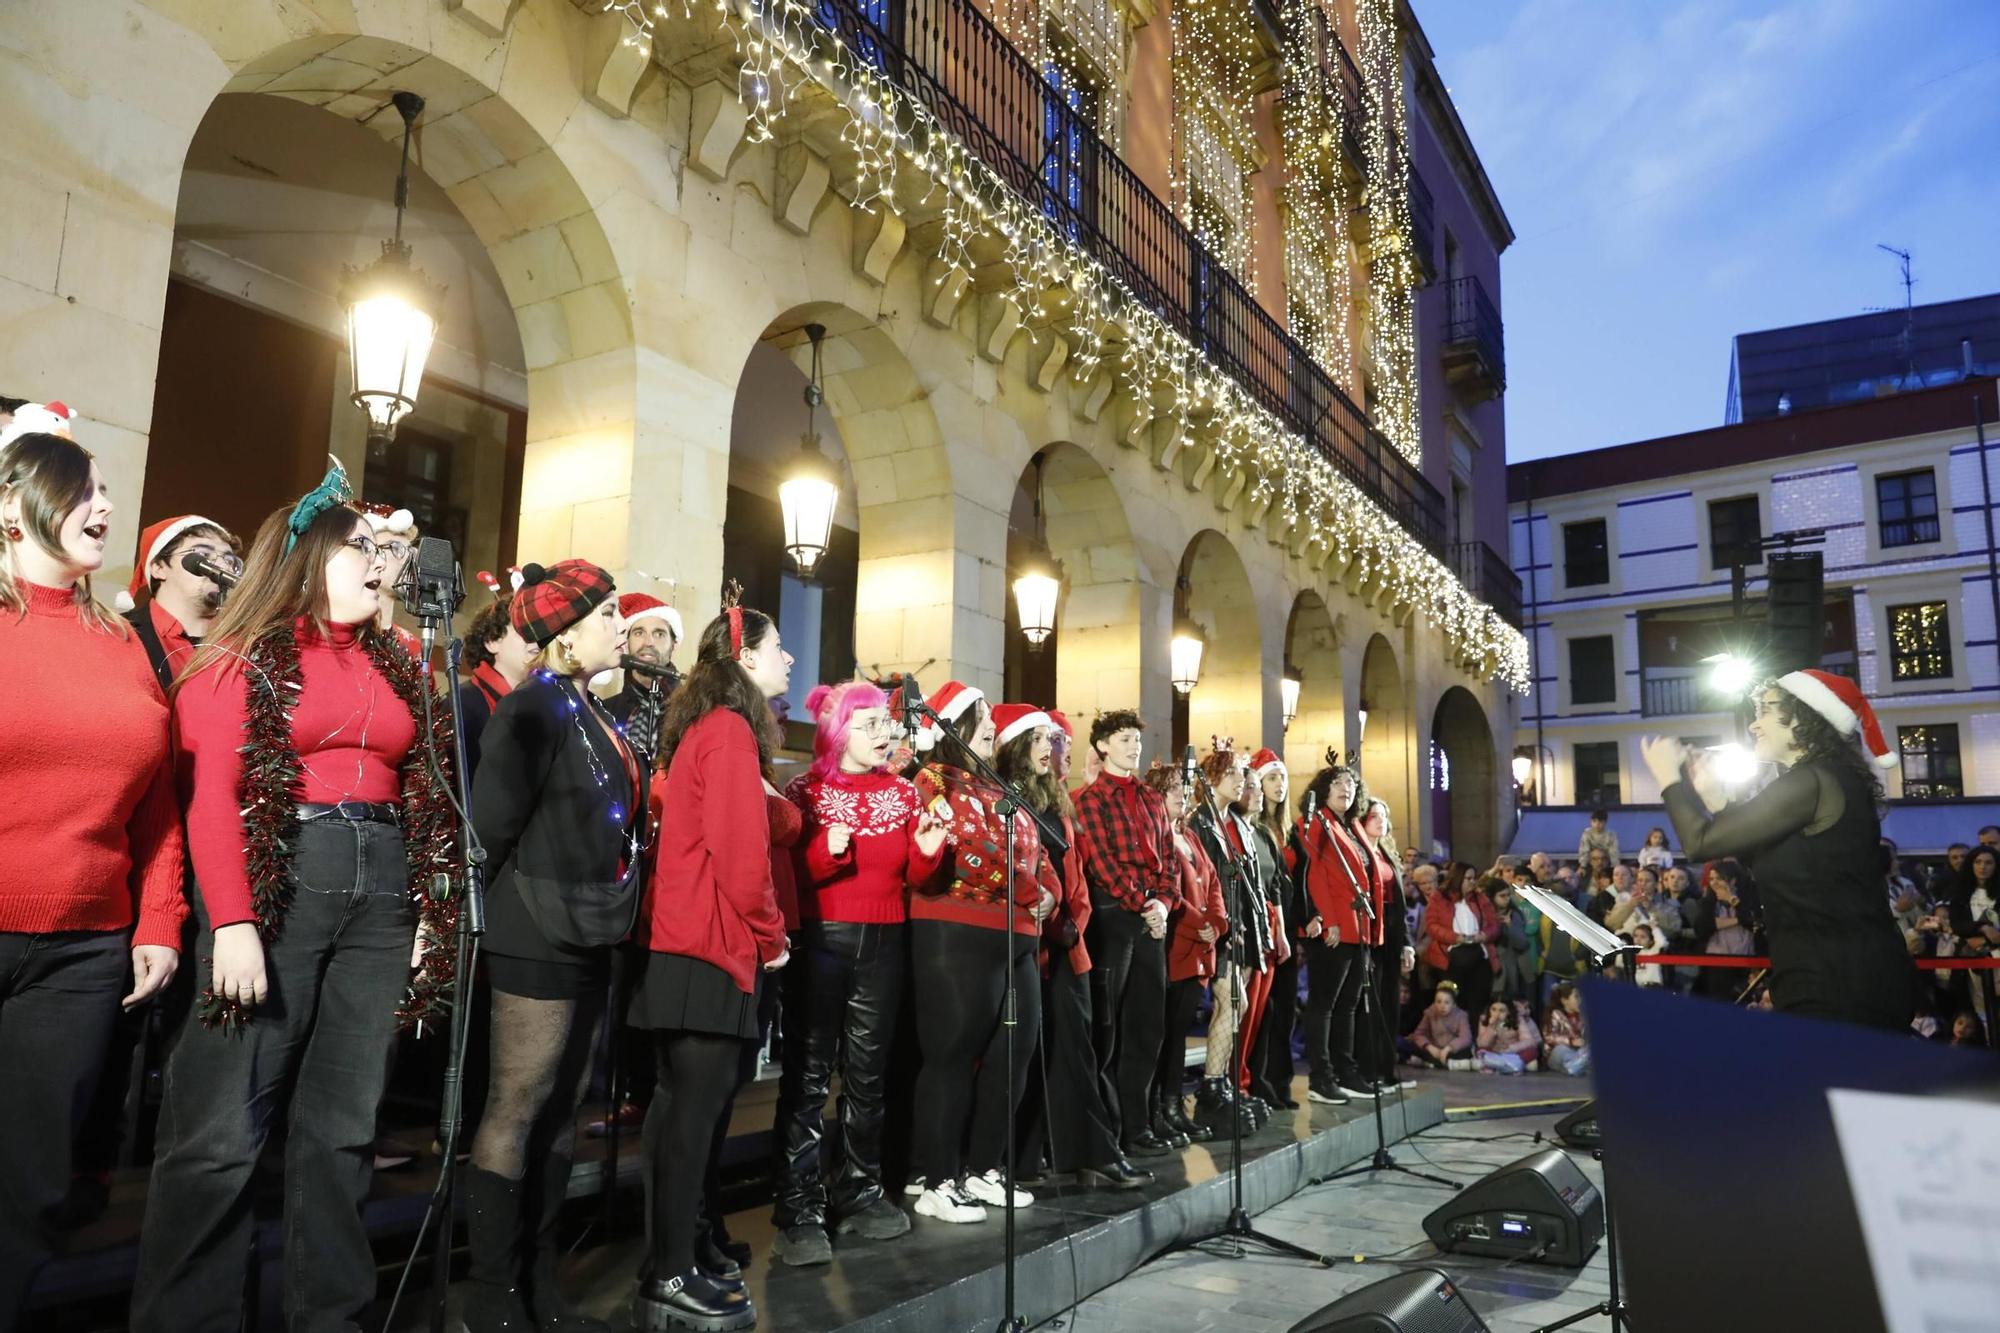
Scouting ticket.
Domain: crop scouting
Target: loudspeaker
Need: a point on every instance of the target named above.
(1539, 1209)
(1797, 610)
(1421, 1300)
(1578, 1129)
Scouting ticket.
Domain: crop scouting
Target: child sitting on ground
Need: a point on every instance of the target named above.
(1501, 1048)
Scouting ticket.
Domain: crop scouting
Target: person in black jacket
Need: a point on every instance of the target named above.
(497, 660)
(558, 802)
(1375, 1037)
(652, 632)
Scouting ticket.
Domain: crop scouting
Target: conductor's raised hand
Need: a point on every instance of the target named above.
(1664, 756)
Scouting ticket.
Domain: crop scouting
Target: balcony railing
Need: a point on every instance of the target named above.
(1487, 575)
(1475, 352)
(1672, 696)
(1423, 225)
(952, 59)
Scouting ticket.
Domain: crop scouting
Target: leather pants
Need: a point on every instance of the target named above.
(842, 991)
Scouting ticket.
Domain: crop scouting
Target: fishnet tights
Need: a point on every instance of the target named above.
(540, 1063)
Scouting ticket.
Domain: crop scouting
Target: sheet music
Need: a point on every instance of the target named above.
(1925, 1172)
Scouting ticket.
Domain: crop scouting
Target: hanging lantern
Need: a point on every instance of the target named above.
(1184, 654)
(1039, 582)
(392, 315)
(1361, 717)
(812, 488)
(1289, 685)
(1524, 768)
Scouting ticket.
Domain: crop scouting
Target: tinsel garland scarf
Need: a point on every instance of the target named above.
(267, 795)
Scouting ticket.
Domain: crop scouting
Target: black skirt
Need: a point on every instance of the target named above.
(676, 992)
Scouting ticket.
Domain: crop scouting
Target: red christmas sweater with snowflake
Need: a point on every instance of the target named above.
(972, 879)
(868, 882)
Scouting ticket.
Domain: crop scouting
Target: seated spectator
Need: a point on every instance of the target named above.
(1965, 1030)
(1731, 933)
(1596, 862)
(1443, 1036)
(1598, 836)
(1648, 907)
(1502, 1048)
(1599, 897)
(1563, 1043)
(1648, 940)
(1531, 1032)
(1656, 853)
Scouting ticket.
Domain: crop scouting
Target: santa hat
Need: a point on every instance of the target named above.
(640, 605)
(1841, 702)
(381, 518)
(950, 702)
(39, 418)
(154, 542)
(1263, 762)
(1014, 720)
(1056, 718)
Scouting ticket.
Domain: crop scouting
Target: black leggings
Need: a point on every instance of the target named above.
(959, 992)
(1183, 998)
(697, 1081)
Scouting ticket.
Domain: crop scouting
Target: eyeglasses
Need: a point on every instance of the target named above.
(366, 545)
(394, 550)
(881, 726)
(227, 561)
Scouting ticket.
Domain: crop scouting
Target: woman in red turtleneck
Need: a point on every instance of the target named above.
(90, 838)
(299, 767)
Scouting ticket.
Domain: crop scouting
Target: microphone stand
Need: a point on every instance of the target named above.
(1010, 802)
(1381, 1161)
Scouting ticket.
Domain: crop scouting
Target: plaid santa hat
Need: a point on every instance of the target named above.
(551, 600)
(1841, 702)
(643, 605)
(155, 541)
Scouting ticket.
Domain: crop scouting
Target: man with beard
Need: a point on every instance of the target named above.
(183, 604)
(652, 632)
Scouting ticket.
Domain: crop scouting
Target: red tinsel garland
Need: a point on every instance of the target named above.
(268, 799)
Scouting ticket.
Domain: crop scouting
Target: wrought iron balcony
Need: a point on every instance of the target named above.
(1423, 225)
(1475, 352)
(1487, 575)
(1043, 143)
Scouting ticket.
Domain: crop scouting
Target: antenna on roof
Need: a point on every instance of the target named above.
(1909, 338)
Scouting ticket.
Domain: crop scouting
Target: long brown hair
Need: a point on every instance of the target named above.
(1455, 875)
(718, 680)
(52, 477)
(280, 587)
(1043, 790)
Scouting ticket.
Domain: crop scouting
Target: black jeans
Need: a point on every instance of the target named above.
(1128, 991)
(1074, 1123)
(1183, 1000)
(59, 996)
(959, 991)
(843, 988)
(1271, 1061)
(317, 1052)
(1333, 988)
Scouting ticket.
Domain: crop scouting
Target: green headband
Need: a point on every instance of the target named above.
(332, 490)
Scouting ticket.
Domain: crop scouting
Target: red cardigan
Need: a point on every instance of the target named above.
(1074, 907)
(351, 730)
(1440, 937)
(710, 894)
(1202, 905)
(90, 835)
(869, 881)
(1339, 867)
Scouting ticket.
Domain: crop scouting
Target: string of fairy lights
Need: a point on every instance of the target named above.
(1316, 201)
(1392, 263)
(1285, 482)
(1214, 64)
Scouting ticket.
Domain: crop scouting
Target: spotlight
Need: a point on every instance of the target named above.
(1733, 763)
(1730, 675)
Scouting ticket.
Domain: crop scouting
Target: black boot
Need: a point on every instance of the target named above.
(1178, 1117)
(495, 1299)
(1163, 1129)
(689, 1300)
(552, 1313)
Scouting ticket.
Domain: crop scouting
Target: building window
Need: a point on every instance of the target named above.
(1069, 158)
(1586, 554)
(1735, 532)
(1593, 674)
(1906, 507)
(1930, 761)
(1919, 642)
(1597, 773)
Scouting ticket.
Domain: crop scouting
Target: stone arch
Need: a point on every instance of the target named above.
(1464, 783)
(1388, 751)
(1229, 700)
(1312, 646)
(517, 151)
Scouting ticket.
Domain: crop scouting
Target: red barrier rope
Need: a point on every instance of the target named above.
(1743, 961)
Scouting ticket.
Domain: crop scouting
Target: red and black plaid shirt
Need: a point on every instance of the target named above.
(1121, 824)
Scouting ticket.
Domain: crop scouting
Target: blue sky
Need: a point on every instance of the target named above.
(1679, 171)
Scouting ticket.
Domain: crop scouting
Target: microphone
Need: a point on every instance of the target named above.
(646, 668)
(194, 562)
(1312, 804)
(1187, 771)
(912, 699)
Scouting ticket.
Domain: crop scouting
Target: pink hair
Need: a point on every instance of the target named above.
(833, 707)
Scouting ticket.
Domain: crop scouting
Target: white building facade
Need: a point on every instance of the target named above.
(1626, 559)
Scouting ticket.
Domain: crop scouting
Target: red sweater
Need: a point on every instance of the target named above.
(90, 837)
(970, 882)
(351, 730)
(1202, 905)
(869, 881)
(710, 894)
(1074, 909)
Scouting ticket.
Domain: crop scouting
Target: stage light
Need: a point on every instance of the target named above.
(809, 493)
(392, 315)
(1288, 692)
(1734, 764)
(1730, 675)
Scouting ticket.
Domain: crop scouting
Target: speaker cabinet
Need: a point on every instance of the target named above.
(1578, 1129)
(1540, 1209)
(1419, 1300)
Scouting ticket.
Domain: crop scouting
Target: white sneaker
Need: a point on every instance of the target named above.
(1460, 1063)
(1350, 1090)
(991, 1189)
(915, 1188)
(947, 1203)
